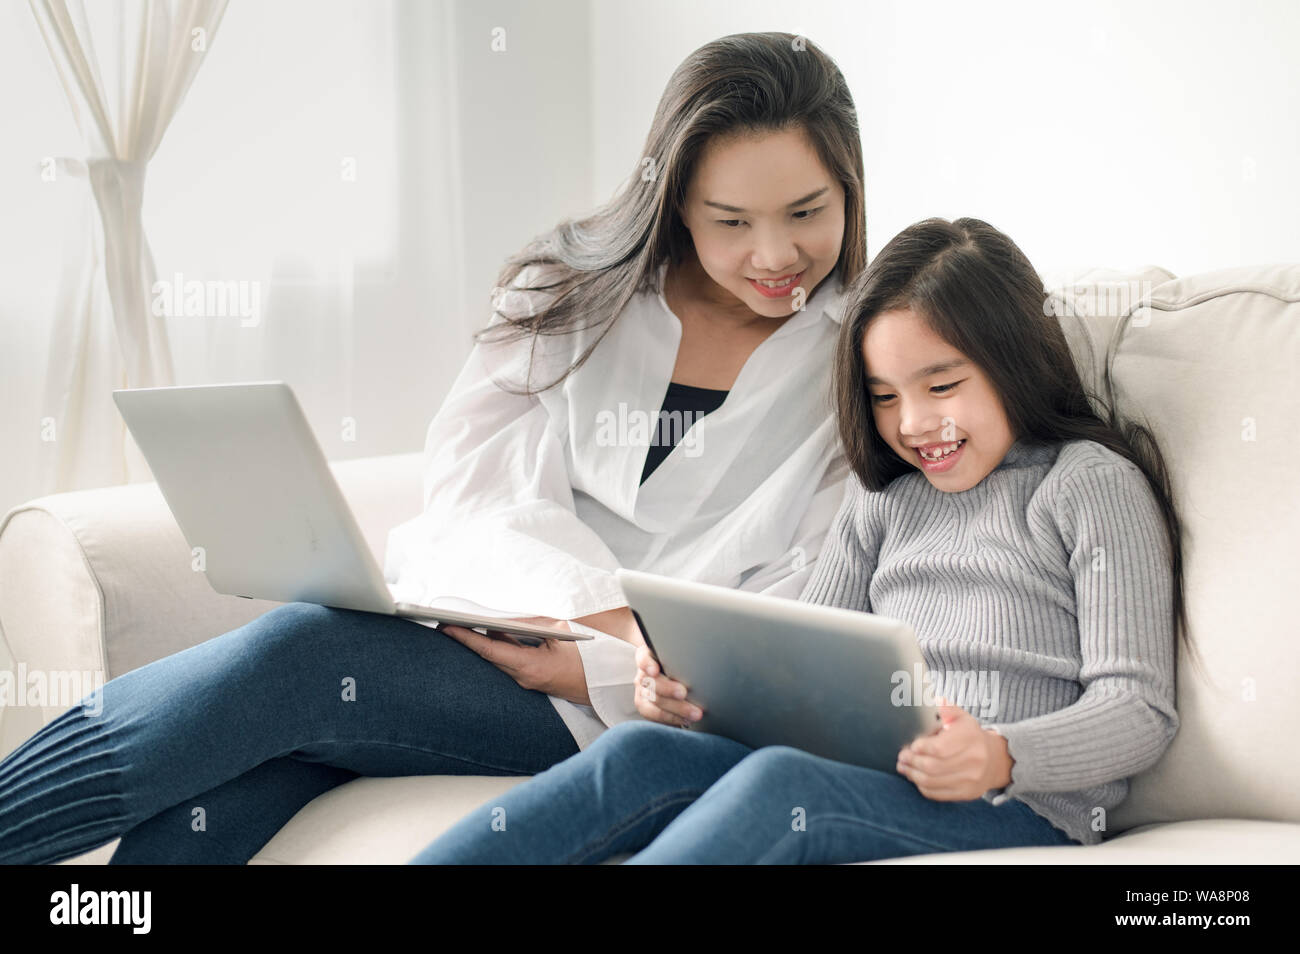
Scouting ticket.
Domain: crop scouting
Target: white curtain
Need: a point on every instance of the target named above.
(105, 335)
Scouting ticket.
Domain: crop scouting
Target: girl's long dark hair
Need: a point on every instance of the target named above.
(749, 82)
(978, 292)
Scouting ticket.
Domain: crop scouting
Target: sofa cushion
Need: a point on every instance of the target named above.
(389, 820)
(379, 820)
(1216, 841)
(1091, 309)
(1210, 364)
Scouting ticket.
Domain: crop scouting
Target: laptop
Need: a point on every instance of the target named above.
(833, 682)
(247, 481)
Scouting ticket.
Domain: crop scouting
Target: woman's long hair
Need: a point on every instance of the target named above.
(749, 82)
(977, 291)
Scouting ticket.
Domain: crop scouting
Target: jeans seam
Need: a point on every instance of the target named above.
(660, 803)
(861, 822)
(507, 770)
(864, 823)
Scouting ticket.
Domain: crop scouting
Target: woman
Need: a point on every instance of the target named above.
(709, 287)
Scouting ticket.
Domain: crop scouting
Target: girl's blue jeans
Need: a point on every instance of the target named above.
(679, 797)
(202, 756)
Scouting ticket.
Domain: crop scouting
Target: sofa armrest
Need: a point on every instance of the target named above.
(99, 582)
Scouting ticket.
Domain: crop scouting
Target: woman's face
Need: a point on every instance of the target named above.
(761, 208)
(926, 394)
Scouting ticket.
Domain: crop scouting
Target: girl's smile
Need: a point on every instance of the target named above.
(940, 458)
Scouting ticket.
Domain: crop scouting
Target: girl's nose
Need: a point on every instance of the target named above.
(918, 424)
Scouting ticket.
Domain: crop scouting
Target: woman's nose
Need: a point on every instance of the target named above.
(774, 251)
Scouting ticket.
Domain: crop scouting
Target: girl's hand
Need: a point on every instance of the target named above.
(659, 698)
(957, 762)
(554, 667)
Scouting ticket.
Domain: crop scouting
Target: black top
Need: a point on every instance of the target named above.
(691, 403)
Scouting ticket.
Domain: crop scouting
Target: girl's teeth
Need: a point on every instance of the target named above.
(945, 451)
(767, 284)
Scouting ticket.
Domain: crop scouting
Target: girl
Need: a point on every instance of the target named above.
(709, 286)
(1033, 546)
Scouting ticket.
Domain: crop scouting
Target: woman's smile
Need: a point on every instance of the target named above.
(777, 288)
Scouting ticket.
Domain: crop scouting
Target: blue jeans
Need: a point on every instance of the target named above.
(679, 797)
(202, 756)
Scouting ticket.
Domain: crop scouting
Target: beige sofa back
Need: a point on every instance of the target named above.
(1210, 363)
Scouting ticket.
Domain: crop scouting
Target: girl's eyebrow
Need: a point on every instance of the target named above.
(925, 372)
(808, 198)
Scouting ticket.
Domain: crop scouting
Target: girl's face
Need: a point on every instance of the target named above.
(926, 395)
(763, 209)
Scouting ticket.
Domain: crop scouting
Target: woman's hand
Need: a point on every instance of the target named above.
(659, 698)
(957, 762)
(554, 667)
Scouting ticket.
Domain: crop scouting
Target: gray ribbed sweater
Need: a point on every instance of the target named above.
(1041, 601)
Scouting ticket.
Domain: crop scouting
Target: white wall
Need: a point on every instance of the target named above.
(1093, 133)
(525, 150)
(33, 226)
(372, 288)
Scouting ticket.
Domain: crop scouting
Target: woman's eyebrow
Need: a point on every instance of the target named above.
(808, 198)
(925, 372)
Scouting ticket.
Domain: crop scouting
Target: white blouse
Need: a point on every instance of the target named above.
(532, 502)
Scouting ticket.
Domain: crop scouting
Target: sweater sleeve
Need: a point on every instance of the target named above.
(1125, 717)
(841, 575)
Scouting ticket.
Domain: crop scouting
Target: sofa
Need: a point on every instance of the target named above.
(100, 580)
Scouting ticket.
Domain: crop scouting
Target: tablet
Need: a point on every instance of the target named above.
(837, 683)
